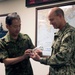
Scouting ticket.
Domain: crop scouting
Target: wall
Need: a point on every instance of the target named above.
(28, 27)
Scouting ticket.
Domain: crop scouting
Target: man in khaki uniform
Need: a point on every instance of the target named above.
(62, 60)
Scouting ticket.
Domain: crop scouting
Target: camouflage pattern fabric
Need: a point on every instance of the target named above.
(9, 48)
(62, 60)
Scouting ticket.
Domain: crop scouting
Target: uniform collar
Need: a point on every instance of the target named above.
(8, 38)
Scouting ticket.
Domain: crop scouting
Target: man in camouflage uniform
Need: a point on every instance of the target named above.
(62, 60)
(15, 48)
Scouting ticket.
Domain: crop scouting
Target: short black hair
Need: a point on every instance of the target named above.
(59, 11)
(10, 17)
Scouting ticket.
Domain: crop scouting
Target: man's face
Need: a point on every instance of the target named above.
(14, 29)
(54, 20)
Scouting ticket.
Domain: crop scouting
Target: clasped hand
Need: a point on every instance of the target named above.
(34, 54)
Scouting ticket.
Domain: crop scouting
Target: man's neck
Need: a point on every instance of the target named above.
(63, 24)
(14, 37)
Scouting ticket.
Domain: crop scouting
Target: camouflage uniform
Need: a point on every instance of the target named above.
(62, 60)
(9, 48)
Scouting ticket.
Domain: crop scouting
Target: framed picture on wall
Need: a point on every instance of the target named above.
(31, 3)
(3, 29)
(45, 31)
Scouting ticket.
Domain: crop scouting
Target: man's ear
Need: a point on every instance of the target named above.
(60, 16)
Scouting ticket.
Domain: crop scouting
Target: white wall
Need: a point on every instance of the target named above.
(28, 27)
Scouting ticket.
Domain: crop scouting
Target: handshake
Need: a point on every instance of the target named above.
(35, 53)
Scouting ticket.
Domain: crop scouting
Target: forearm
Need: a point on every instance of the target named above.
(11, 61)
(60, 59)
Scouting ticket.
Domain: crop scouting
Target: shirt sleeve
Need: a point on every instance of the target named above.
(3, 52)
(65, 53)
(30, 42)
